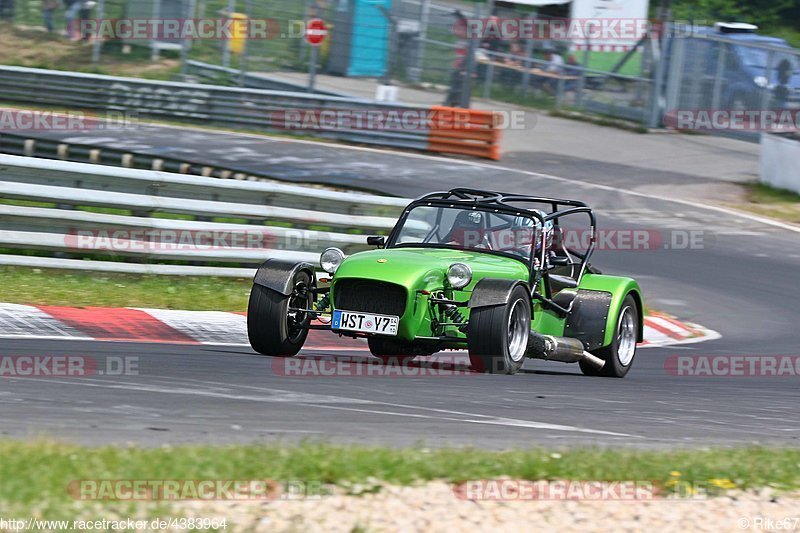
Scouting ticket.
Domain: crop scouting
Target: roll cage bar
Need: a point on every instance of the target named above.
(502, 203)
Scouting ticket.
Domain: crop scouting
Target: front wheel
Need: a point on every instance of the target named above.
(497, 336)
(620, 353)
(274, 327)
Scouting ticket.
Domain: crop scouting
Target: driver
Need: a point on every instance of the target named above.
(468, 230)
(527, 231)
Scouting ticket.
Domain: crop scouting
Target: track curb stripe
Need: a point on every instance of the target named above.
(226, 328)
(117, 324)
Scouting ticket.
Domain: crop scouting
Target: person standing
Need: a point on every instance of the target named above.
(48, 8)
(85, 13)
(73, 8)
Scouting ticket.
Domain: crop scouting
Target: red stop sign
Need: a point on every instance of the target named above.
(316, 31)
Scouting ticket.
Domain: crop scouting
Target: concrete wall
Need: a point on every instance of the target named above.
(780, 161)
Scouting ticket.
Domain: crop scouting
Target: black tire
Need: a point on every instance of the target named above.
(488, 337)
(390, 351)
(615, 367)
(270, 328)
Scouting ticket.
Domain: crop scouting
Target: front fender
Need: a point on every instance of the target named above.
(277, 275)
(493, 291)
(619, 287)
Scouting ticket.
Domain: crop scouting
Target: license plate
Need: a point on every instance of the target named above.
(365, 322)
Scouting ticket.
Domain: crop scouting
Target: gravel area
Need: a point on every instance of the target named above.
(435, 508)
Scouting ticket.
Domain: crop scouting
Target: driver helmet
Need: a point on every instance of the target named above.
(468, 229)
(535, 227)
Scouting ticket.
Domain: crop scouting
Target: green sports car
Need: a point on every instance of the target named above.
(492, 273)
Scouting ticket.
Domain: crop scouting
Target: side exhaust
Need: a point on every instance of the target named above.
(563, 349)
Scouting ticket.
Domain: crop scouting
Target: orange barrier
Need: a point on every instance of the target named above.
(465, 131)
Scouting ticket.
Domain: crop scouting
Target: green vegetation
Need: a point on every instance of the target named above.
(36, 474)
(37, 49)
(606, 61)
(780, 18)
(82, 289)
(771, 202)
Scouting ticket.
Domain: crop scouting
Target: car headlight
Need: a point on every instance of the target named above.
(331, 259)
(459, 275)
(761, 81)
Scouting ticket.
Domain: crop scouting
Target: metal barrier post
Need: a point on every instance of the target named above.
(526, 75)
(248, 10)
(392, 21)
(559, 92)
(312, 68)
(487, 82)
(672, 96)
(419, 59)
(659, 47)
(766, 95)
(472, 46)
(226, 46)
(98, 43)
(582, 80)
(723, 50)
(187, 42)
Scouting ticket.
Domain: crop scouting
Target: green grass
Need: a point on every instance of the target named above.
(83, 289)
(764, 193)
(771, 202)
(606, 61)
(37, 473)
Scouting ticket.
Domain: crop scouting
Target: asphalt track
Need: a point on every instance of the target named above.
(741, 282)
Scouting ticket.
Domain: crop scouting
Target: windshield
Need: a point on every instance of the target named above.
(469, 229)
(759, 58)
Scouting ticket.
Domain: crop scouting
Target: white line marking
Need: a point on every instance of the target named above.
(47, 337)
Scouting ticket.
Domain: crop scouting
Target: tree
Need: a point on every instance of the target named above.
(764, 13)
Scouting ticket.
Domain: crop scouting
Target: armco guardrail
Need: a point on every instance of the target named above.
(364, 121)
(35, 144)
(220, 221)
(210, 73)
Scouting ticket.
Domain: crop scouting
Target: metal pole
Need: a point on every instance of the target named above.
(526, 75)
(312, 68)
(560, 92)
(226, 46)
(419, 59)
(766, 94)
(675, 79)
(716, 93)
(487, 83)
(659, 92)
(387, 76)
(98, 43)
(466, 91)
(248, 11)
(187, 42)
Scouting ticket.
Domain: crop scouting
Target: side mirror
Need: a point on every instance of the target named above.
(380, 242)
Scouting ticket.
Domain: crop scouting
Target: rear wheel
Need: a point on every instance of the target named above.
(390, 351)
(272, 326)
(620, 353)
(497, 336)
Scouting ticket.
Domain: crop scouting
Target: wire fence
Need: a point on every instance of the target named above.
(418, 42)
(413, 41)
(722, 79)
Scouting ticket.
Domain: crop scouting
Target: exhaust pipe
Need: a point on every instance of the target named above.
(563, 349)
